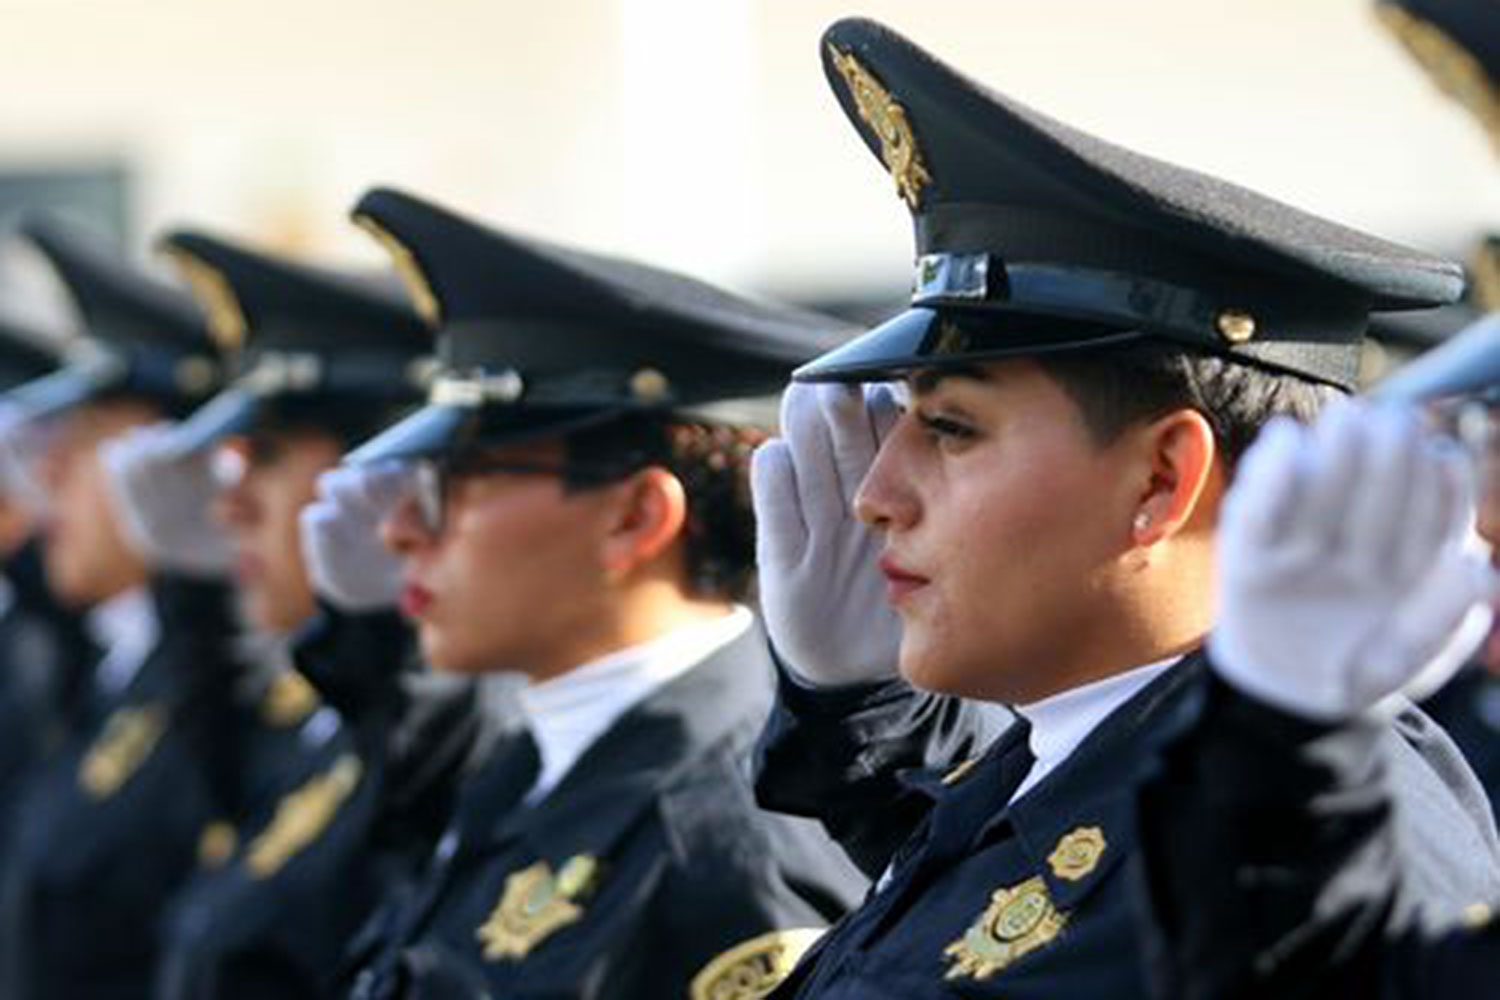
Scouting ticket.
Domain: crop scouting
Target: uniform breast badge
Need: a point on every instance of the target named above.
(1077, 853)
(535, 904)
(121, 748)
(1018, 921)
(752, 969)
(289, 699)
(302, 816)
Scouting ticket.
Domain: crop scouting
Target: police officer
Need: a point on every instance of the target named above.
(1273, 864)
(322, 359)
(580, 517)
(110, 826)
(1094, 339)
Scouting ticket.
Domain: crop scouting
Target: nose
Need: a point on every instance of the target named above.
(404, 531)
(886, 500)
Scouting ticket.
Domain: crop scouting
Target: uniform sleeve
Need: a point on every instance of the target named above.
(1269, 857)
(837, 755)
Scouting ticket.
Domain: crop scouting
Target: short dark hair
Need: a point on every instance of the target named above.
(1115, 388)
(713, 463)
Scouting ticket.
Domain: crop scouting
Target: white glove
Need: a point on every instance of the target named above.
(22, 443)
(822, 593)
(163, 496)
(346, 561)
(1348, 563)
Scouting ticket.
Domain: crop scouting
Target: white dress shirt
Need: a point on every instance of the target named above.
(568, 713)
(126, 628)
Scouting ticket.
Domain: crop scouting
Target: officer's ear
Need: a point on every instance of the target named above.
(1182, 478)
(647, 517)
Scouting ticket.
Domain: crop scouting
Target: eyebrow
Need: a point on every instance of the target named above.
(926, 380)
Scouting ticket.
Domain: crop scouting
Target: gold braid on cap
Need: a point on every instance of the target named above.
(215, 295)
(1454, 68)
(887, 119)
(1485, 271)
(423, 299)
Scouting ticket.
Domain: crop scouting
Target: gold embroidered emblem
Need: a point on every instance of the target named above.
(950, 339)
(127, 740)
(1486, 274)
(1077, 853)
(887, 119)
(535, 904)
(289, 699)
(216, 297)
(423, 299)
(216, 844)
(1018, 921)
(1456, 71)
(302, 816)
(752, 969)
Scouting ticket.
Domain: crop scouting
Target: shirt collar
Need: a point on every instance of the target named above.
(566, 714)
(126, 628)
(1063, 721)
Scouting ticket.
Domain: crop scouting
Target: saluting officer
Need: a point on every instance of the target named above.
(580, 516)
(322, 359)
(1094, 339)
(1273, 859)
(110, 826)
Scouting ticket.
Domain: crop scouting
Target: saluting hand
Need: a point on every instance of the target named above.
(346, 560)
(1348, 563)
(822, 593)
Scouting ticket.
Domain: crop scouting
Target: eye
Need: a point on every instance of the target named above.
(945, 430)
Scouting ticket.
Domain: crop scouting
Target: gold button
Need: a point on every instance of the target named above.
(1236, 326)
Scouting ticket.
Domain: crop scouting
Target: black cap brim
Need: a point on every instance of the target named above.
(438, 429)
(62, 390)
(929, 338)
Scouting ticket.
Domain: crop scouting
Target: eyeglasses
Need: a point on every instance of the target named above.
(432, 479)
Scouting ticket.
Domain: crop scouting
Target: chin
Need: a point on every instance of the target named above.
(941, 672)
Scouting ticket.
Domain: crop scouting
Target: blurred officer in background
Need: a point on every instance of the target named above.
(1095, 338)
(580, 515)
(45, 653)
(1273, 860)
(110, 826)
(321, 359)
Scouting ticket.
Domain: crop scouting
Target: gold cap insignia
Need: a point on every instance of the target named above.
(887, 119)
(423, 299)
(289, 699)
(121, 748)
(215, 295)
(649, 386)
(950, 339)
(752, 969)
(1077, 853)
(1018, 921)
(1486, 274)
(216, 844)
(534, 904)
(302, 816)
(1452, 67)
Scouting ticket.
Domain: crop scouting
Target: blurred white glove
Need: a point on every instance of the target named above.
(162, 496)
(346, 561)
(822, 593)
(1348, 563)
(22, 443)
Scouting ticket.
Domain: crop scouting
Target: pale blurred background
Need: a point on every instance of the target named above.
(694, 133)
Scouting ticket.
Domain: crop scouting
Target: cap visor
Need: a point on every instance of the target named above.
(59, 391)
(233, 411)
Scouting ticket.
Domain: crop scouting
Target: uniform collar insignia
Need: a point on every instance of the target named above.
(1077, 853)
(752, 969)
(534, 904)
(126, 742)
(1019, 920)
(302, 816)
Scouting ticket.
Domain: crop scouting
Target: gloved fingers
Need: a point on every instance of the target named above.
(1395, 469)
(1439, 514)
(854, 434)
(1331, 470)
(810, 448)
(883, 407)
(1262, 501)
(367, 491)
(780, 530)
(387, 483)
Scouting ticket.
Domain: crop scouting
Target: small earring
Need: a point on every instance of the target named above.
(1142, 521)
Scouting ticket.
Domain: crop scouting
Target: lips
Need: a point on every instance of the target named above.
(415, 600)
(900, 583)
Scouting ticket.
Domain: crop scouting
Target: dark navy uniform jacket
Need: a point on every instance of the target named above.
(647, 863)
(354, 818)
(1277, 862)
(1034, 900)
(112, 826)
(1468, 707)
